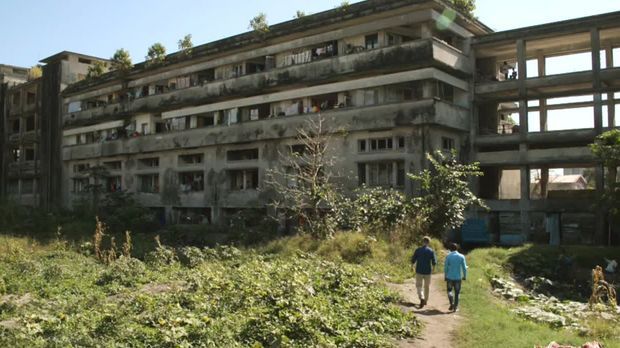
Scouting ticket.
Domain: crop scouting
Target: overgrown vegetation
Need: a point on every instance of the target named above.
(186, 45)
(35, 72)
(96, 69)
(606, 148)
(259, 24)
(192, 297)
(121, 61)
(445, 192)
(466, 7)
(156, 54)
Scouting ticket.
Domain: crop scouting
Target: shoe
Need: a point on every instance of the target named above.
(455, 309)
(451, 308)
(422, 303)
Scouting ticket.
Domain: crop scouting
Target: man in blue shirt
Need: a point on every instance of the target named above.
(424, 259)
(455, 270)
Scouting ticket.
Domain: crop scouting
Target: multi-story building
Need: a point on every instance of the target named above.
(30, 128)
(194, 137)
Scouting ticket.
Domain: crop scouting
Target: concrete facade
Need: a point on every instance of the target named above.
(193, 138)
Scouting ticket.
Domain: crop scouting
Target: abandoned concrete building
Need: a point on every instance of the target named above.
(193, 138)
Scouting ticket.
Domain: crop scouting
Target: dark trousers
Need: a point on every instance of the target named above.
(454, 289)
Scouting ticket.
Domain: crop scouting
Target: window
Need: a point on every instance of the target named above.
(237, 70)
(324, 102)
(30, 98)
(242, 155)
(16, 155)
(15, 126)
(381, 144)
(12, 187)
(191, 182)
(361, 145)
(113, 165)
(372, 41)
(401, 142)
(190, 160)
(241, 180)
(30, 124)
(192, 216)
(81, 168)
(148, 162)
(447, 144)
(80, 185)
(148, 183)
(445, 91)
(29, 154)
(113, 184)
(371, 97)
(16, 98)
(386, 174)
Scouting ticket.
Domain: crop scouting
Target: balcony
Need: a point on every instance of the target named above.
(553, 138)
(428, 111)
(407, 56)
(552, 205)
(564, 84)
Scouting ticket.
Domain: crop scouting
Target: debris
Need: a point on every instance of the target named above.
(602, 291)
(612, 265)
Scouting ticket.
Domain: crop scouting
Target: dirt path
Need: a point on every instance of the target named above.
(440, 325)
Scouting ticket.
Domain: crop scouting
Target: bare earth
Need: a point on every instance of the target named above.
(440, 325)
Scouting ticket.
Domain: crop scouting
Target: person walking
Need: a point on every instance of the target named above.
(455, 271)
(424, 260)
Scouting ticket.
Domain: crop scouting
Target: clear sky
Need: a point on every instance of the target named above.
(35, 29)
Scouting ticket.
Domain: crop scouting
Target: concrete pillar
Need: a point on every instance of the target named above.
(596, 73)
(542, 71)
(524, 204)
(611, 110)
(544, 182)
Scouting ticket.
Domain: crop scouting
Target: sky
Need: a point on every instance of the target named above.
(35, 29)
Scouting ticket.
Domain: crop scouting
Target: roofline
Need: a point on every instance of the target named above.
(311, 22)
(14, 66)
(600, 21)
(58, 55)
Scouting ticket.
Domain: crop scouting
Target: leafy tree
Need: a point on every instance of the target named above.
(259, 23)
(186, 46)
(121, 61)
(606, 148)
(35, 72)
(466, 7)
(303, 183)
(156, 54)
(97, 69)
(445, 192)
(375, 208)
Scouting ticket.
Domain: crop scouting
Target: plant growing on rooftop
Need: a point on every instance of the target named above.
(186, 46)
(259, 23)
(97, 69)
(35, 72)
(466, 7)
(156, 54)
(121, 61)
(300, 14)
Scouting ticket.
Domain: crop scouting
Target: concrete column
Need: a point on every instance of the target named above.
(542, 71)
(596, 73)
(395, 173)
(544, 182)
(611, 110)
(524, 204)
(601, 217)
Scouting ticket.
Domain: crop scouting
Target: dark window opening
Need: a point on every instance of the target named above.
(30, 98)
(113, 184)
(149, 162)
(191, 182)
(241, 180)
(381, 144)
(193, 216)
(15, 126)
(401, 142)
(324, 102)
(207, 120)
(114, 165)
(85, 61)
(30, 124)
(29, 154)
(362, 145)
(298, 149)
(243, 155)
(447, 144)
(206, 76)
(372, 41)
(16, 98)
(148, 183)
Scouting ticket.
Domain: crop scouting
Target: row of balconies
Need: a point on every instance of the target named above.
(429, 111)
(394, 58)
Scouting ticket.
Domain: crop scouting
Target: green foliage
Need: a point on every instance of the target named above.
(229, 298)
(445, 193)
(466, 7)
(35, 72)
(259, 23)
(300, 14)
(121, 61)
(186, 46)
(376, 209)
(97, 69)
(606, 148)
(156, 54)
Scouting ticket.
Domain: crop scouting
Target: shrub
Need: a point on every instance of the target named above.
(125, 271)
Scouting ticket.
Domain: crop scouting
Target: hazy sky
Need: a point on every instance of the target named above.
(35, 29)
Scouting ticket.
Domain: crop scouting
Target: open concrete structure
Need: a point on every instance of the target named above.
(193, 137)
